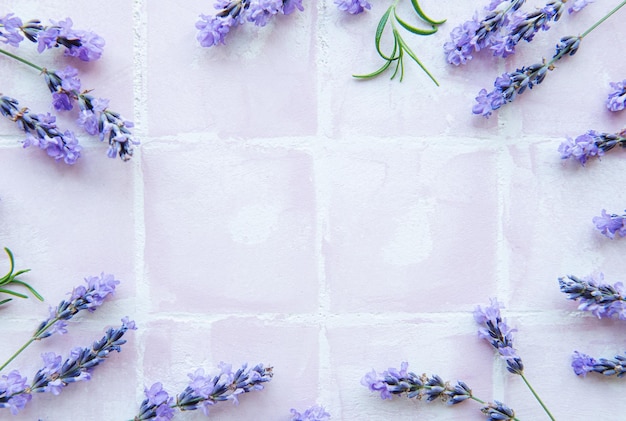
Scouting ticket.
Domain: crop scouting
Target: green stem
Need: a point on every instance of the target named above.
(545, 408)
(35, 336)
(608, 15)
(18, 58)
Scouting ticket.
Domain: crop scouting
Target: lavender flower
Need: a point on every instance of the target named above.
(88, 297)
(14, 392)
(583, 364)
(495, 330)
(41, 130)
(157, 405)
(617, 98)
(394, 382)
(611, 224)
(204, 391)
(231, 13)
(314, 413)
(354, 7)
(95, 116)
(475, 35)
(602, 300)
(10, 30)
(86, 45)
(498, 412)
(509, 85)
(56, 375)
(590, 144)
(578, 5)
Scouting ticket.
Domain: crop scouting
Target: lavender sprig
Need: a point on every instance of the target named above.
(509, 85)
(95, 117)
(610, 225)
(41, 130)
(203, 391)
(213, 29)
(602, 300)
(394, 382)
(88, 297)
(590, 144)
(11, 279)
(493, 329)
(583, 364)
(314, 413)
(85, 45)
(475, 35)
(56, 375)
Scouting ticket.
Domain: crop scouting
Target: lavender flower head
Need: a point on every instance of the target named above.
(205, 391)
(10, 30)
(602, 300)
(88, 297)
(583, 364)
(578, 5)
(581, 148)
(157, 406)
(617, 98)
(314, 413)
(354, 7)
(54, 376)
(213, 29)
(94, 117)
(85, 45)
(394, 382)
(13, 392)
(498, 411)
(509, 85)
(41, 131)
(610, 225)
(494, 329)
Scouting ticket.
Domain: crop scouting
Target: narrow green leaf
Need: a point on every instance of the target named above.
(413, 29)
(399, 65)
(422, 15)
(379, 32)
(6, 301)
(376, 72)
(408, 50)
(20, 272)
(31, 289)
(16, 294)
(6, 278)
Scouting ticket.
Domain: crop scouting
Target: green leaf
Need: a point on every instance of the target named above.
(376, 72)
(7, 278)
(422, 15)
(411, 54)
(15, 294)
(379, 32)
(31, 289)
(6, 301)
(413, 29)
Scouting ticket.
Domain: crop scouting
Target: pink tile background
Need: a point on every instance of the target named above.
(279, 211)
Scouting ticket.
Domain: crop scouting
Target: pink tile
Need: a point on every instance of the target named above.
(233, 223)
(429, 347)
(242, 89)
(389, 238)
(66, 222)
(548, 223)
(176, 348)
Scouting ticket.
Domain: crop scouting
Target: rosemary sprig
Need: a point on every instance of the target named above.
(11, 279)
(400, 48)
